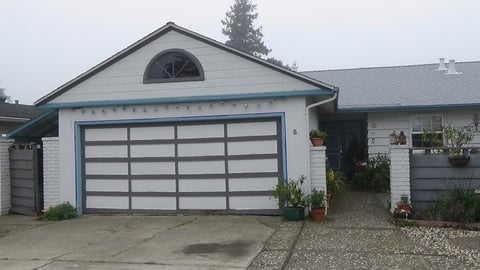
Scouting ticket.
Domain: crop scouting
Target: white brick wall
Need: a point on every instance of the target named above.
(318, 171)
(51, 173)
(5, 200)
(399, 173)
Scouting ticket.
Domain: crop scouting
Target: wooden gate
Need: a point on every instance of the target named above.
(26, 179)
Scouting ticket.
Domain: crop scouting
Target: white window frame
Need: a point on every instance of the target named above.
(413, 117)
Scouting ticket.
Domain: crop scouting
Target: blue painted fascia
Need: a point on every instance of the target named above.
(408, 108)
(29, 123)
(188, 99)
(78, 143)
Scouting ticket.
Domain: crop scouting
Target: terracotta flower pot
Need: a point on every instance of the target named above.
(318, 214)
(317, 141)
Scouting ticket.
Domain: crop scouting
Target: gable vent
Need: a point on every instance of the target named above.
(451, 68)
(442, 65)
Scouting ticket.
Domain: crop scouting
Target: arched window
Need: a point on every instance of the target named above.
(173, 66)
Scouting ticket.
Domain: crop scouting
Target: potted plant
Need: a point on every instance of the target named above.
(455, 140)
(335, 183)
(317, 137)
(317, 203)
(291, 198)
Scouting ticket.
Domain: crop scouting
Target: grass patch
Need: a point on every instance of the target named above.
(59, 212)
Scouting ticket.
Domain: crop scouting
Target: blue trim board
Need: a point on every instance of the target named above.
(30, 123)
(78, 149)
(78, 169)
(400, 108)
(185, 99)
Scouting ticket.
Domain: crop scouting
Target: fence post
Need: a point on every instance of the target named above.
(51, 173)
(318, 173)
(5, 189)
(399, 174)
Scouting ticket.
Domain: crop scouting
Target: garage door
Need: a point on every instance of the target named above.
(229, 166)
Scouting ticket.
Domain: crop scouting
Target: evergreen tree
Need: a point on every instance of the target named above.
(240, 29)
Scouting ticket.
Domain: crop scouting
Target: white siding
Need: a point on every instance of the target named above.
(380, 125)
(225, 73)
(297, 148)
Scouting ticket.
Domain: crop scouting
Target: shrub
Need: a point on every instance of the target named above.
(291, 192)
(375, 176)
(459, 204)
(59, 212)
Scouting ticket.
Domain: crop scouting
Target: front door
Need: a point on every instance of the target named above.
(346, 143)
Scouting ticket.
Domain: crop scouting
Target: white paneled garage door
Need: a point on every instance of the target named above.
(228, 165)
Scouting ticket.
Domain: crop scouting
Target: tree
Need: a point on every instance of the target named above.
(240, 29)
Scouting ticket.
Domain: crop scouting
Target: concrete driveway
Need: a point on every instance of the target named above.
(135, 242)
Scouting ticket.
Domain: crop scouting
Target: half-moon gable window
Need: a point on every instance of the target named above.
(173, 66)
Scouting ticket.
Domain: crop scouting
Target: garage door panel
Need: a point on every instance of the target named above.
(108, 202)
(252, 129)
(255, 165)
(201, 149)
(156, 150)
(253, 202)
(146, 168)
(105, 134)
(201, 185)
(152, 133)
(154, 203)
(106, 151)
(106, 168)
(152, 185)
(201, 167)
(252, 147)
(215, 165)
(203, 203)
(246, 184)
(201, 131)
(107, 185)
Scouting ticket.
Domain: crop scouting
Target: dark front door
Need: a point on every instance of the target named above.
(346, 143)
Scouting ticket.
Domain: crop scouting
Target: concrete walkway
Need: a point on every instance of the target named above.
(357, 234)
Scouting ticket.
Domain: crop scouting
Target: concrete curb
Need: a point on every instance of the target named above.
(278, 248)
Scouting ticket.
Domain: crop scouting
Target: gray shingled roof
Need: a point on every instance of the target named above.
(404, 87)
(18, 110)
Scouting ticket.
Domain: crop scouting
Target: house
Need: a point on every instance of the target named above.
(374, 102)
(178, 121)
(13, 115)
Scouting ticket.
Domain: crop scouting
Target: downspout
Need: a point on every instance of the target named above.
(307, 118)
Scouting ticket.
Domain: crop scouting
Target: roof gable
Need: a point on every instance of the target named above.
(172, 31)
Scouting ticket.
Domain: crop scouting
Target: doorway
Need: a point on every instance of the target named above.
(346, 144)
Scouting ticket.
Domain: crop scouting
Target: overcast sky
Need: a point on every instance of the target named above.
(45, 43)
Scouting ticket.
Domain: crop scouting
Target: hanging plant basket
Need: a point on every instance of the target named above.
(459, 160)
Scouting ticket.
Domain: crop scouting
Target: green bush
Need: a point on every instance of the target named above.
(375, 176)
(459, 204)
(59, 212)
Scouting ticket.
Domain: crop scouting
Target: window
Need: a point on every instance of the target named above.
(431, 123)
(173, 66)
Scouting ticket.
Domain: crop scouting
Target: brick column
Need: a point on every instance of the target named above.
(51, 173)
(318, 170)
(5, 197)
(399, 173)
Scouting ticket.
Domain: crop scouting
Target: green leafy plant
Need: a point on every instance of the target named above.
(455, 138)
(59, 212)
(317, 199)
(458, 204)
(315, 133)
(335, 183)
(290, 192)
(375, 176)
(432, 138)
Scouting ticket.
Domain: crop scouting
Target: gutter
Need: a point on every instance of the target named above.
(307, 119)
